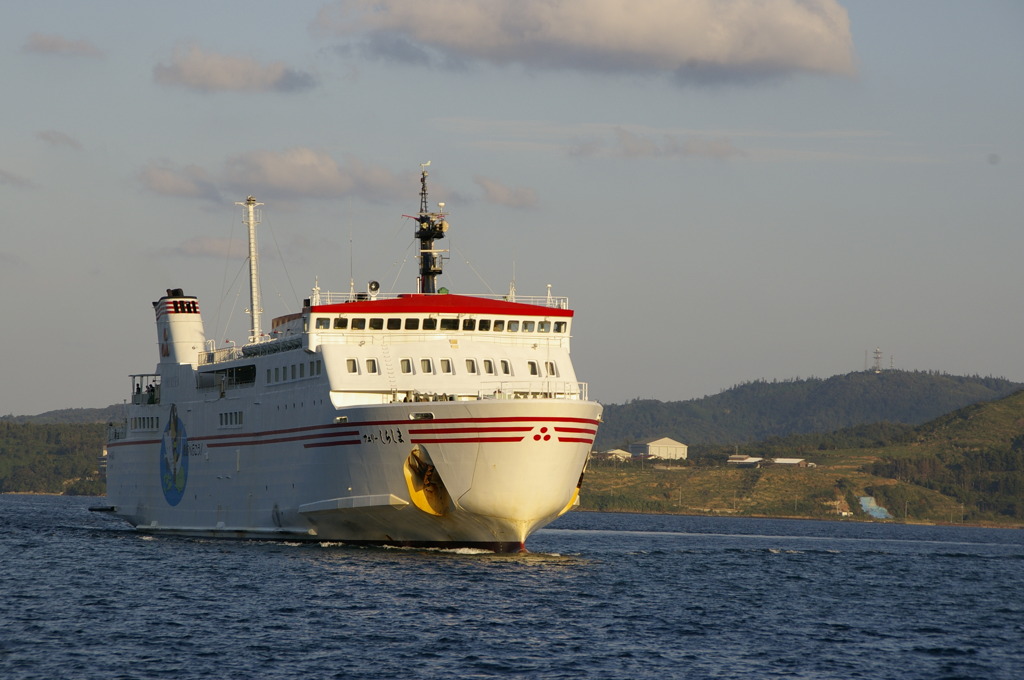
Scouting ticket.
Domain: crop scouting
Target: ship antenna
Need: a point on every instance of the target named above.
(431, 225)
(252, 218)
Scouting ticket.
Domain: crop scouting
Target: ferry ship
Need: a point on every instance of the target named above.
(426, 419)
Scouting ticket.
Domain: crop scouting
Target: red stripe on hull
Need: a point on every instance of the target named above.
(319, 444)
(468, 440)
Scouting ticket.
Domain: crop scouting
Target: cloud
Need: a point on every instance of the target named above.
(698, 41)
(293, 173)
(57, 138)
(303, 172)
(626, 144)
(12, 180)
(195, 69)
(495, 192)
(190, 181)
(55, 44)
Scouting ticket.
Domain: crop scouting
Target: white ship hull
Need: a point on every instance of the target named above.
(503, 468)
(424, 419)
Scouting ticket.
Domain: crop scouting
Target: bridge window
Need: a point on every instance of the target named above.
(469, 324)
(560, 326)
(513, 326)
(412, 324)
(322, 323)
(394, 324)
(528, 326)
(449, 324)
(430, 324)
(341, 323)
(544, 326)
(499, 325)
(358, 324)
(484, 325)
(376, 324)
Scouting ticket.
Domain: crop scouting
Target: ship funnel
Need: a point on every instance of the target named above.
(179, 328)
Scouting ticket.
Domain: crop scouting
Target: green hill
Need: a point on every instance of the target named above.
(71, 415)
(758, 410)
(967, 465)
(51, 458)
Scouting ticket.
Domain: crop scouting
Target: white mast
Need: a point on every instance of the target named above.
(252, 218)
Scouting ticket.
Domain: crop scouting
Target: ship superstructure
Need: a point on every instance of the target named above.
(425, 419)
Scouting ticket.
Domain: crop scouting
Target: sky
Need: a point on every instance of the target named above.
(726, 190)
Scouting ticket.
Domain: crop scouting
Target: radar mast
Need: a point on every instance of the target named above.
(430, 226)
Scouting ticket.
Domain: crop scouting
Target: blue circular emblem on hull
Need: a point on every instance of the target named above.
(174, 458)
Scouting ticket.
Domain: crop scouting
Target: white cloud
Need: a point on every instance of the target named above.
(303, 172)
(195, 69)
(693, 40)
(55, 44)
(190, 181)
(627, 144)
(495, 192)
(13, 180)
(57, 138)
(293, 173)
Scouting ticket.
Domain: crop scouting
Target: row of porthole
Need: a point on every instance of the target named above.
(416, 324)
(297, 371)
(145, 423)
(447, 367)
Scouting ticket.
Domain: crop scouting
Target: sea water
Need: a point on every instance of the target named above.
(599, 596)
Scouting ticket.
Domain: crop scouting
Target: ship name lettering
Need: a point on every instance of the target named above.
(389, 435)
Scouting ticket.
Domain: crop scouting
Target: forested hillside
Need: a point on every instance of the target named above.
(758, 410)
(71, 415)
(965, 466)
(50, 458)
(975, 455)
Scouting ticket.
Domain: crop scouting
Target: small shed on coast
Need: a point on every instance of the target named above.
(617, 454)
(662, 447)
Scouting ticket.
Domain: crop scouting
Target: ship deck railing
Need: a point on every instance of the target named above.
(118, 431)
(330, 298)
(145, 388)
